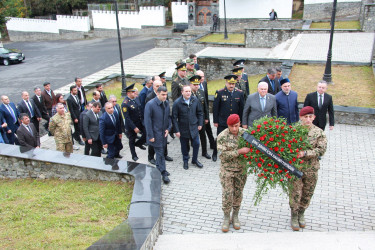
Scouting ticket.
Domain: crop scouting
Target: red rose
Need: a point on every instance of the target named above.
(291, 150)
(290, 162)
(259, 165)
(250, 163)
(289, 145)
(301, 161)
(300, 138)
(265, 123)
(272, 172)
(276, 149)
(277, 121)
(270, 126)
(247, 144)
(258, 130)
(257, 151)
(282, 134)
(277, 135)
(294, 130)
(245, 156)
(253, 132)
(280, 171)
(277, 126)
(271, 139)
(251, 157)
(261, 138)
(269, 164)
(265, 169)
(281, 149)
(276, 166)
(271, 133)
(259, 175)
(265, 177)
(251, 150)
(259, 126)
(265, 127)
(284, 123)
(281, 179)
(271, 179)
(294, 159)
(283, 140)
(285, 131)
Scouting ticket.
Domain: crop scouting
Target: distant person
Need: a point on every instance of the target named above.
(163, 78)
(273, 83)
(241, 63)
(27, 134)
(102, 96)
(59, 127)
(39, 102)
(179, 81)
(80, 92)
(279, 74)
(286, 101)
(215, 21)
(273, 15)
(196, 65)
(75, 110)
(29, 107)
(3, 129)
(96, 97)
(143, 94)
(59, 98)
(10, 113)
(48, 97)
(81, 117)
(91, 129)
(322, 103)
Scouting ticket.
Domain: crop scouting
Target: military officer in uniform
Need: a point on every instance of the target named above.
(133, 114)
(241, 63)
(232, 174)
(190, 68)
(178, 63)
(200, 95)
(228, 100)
(241, 84)
(303, 189)
(179, 81)
(59, 126)
(163, 79)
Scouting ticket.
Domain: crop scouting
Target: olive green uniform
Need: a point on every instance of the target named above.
(190, 74)
(303, 189)
(59, 126)
(177, 85)
(232, 171)
(241, 85)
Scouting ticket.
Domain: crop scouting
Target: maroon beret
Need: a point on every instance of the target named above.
(306, 110)
(233, 119)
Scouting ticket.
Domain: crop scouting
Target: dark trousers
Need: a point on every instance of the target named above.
(96, 148)
(151, 152)
(114, 148)
(35, 121)
(46, 117)
(219, 130)
(76, 134)
(11, 138)
(185, 148)
(160, 160)
(209, 133)
(87, 148)
(133, 136)
(203, 139)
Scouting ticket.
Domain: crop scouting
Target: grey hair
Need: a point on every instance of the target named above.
(271, 71)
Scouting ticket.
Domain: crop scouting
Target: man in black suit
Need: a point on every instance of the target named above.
(96, 97)
(11, 114)
(28, 106)
(91, 129)
(322, 103)
(102, 96)
(80, 93)
(27, 134)
(39, 102)
(273, 83)
(74, 107)
(110, 132)
(117, 111)
(81, 116)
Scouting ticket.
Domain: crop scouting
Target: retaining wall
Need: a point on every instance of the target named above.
(368, 18)
(322, 9)
(234, 24)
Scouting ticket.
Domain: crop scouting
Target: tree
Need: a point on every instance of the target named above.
(11, 8)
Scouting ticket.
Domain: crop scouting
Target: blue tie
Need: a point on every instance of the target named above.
(12, 113)
(113, 119)
(273, 84)
(31, 110)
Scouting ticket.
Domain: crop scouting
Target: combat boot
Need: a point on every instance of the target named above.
(294, 221)
(235, 220)
(225, 227)
(301, 218)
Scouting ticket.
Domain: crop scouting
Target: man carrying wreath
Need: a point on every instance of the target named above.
(303, 189)
(232, 171)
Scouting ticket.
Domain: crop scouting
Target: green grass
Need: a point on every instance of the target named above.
(297, 14)
(219, 38)
(353, 86)
(338, 25)
(56, 214)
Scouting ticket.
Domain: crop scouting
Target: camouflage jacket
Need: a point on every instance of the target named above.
(59, 126)
(241, 84)
(227, 144)
(318, 141)
(190, 74)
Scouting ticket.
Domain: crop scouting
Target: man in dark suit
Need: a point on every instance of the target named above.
(81, 93)
(3, 129)
(28, 106)
(81, 129)
(11, 114)
(187, 116)
(258, 105)
(322, 103)
(96, 97)
(273, 83)
(158, 124)
(90, 126)
(27, 134)
(103, 97)
(39, 102)
(49, 97)
(143, 94)
(110, 131)
(133, 114)
(227, 101)
(74, 107)
(117, 112)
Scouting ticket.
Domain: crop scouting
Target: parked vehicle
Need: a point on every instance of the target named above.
(8, 56)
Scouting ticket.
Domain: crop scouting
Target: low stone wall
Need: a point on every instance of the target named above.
(168, 42)
(324, 10)
(368, 18)
(125, 32)
(19, 36)
(234, 24)
(268, 38)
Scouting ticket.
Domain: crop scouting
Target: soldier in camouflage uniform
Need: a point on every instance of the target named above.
(200, 95)
(303, 189)
(59, 126)
(179, 81)
(232, 171)
(241, 84)
(191, 71)
(178, 63)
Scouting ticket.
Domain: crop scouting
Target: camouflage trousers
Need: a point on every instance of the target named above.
(65, 147)
(232, 186)
(303, 190)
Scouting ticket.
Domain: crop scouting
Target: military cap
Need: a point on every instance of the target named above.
(195, 79)
(231, 78)
(237, 71)
(239, 63)
(233, 119)
(182, 67)
(284, 81)
(162, 75)
(306, 111)
(190, 61)
(179, 62)
(131, 88)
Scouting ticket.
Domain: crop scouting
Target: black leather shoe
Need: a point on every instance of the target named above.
(167, 173)
(104, 152)
(214, 157)
(186, 165)
(81, 143)
(152, 161)
(118, 156)
(167, 158)
(141, 147)
(207, 156)
(198, 164)
(166, 180)
(135, 158)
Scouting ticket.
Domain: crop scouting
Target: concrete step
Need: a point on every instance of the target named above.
(280, 241)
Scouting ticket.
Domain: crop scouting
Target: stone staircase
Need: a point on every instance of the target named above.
(280, 241)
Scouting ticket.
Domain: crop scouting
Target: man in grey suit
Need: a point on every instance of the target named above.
(91, 129)
(27, 134)
(258, 105)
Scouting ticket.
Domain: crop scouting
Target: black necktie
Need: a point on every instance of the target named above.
(320, 102)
